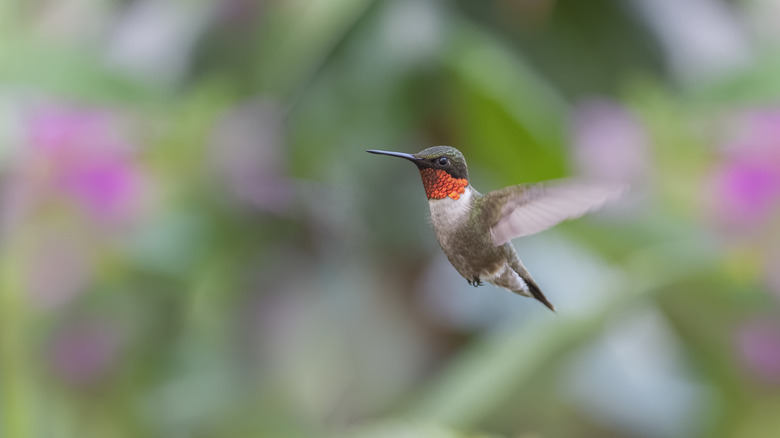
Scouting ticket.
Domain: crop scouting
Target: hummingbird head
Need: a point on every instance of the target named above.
(442, 168)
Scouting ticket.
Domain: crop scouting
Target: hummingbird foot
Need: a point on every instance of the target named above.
(476, 282)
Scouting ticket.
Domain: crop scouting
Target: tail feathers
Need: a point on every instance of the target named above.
(538, 294)
(528, 285)
(516, 278)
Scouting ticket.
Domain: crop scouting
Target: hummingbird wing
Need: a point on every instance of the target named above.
(526, 209)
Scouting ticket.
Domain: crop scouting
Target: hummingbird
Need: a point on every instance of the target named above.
(474, 230)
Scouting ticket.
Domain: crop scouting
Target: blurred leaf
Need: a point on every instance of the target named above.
(27, 63)
(298, 39)
(510, 118)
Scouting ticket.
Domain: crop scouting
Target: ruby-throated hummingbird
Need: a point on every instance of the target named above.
(474, 230)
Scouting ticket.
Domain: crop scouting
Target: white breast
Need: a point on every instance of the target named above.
(450, 213)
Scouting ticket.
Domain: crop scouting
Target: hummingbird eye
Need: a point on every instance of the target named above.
(443, 161)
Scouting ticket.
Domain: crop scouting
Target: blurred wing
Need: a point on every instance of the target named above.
(528, 209)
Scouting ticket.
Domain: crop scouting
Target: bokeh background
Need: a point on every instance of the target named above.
(193, 242)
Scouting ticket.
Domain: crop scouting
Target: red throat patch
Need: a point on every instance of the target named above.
(440, 184)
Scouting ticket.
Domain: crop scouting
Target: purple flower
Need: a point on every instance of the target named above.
(745, 185)
(758, 345)
(64, 129)
(106, 184)
(747, 190)
(81, 156)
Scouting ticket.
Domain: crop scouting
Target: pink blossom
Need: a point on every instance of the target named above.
(105, 183)
(66, 129)
(82, 156)
(747, 191)
(745, 185)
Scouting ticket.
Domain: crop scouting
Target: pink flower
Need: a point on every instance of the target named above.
(748, 190)
(746, 184)
(81, 156)
(106, 184)
(65, 129)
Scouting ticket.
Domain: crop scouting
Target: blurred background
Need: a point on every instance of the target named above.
(193, 242)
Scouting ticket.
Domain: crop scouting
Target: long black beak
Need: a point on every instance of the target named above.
(409, 157)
